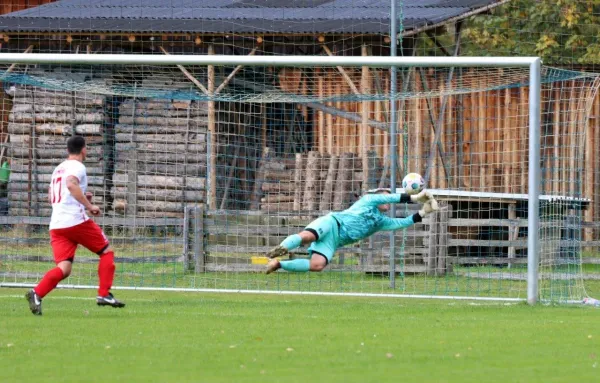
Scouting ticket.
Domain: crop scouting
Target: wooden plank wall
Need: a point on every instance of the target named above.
(484, 137)
(7, 6)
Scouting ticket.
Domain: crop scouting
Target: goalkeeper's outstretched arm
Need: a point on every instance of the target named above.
(401, 223)
(382, 199)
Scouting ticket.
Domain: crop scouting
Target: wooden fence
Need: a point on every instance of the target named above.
(237, 241)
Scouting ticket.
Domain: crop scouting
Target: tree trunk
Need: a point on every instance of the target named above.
(275, 198)
(160, 194)
(298, 178)
(151, 168)
(192, 149)
(277, 207)
(193, 183)
(158, 129)
(276, 187)
(326, 198)
(162, 138)
(343, 186)
(311, 185)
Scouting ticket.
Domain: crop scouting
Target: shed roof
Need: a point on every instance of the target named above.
(236, 16)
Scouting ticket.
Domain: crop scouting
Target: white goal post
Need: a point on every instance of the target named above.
(532, 63)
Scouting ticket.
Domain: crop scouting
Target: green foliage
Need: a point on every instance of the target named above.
(559, 31)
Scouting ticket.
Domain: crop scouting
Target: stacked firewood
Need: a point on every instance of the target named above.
(313, 181)
(40, 122)
(160, 157)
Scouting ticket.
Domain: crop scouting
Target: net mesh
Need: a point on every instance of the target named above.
(201, 170)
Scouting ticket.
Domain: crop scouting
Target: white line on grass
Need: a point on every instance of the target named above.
(74, 298)
(283, 292)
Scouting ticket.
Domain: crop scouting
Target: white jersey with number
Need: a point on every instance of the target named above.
(66, 210)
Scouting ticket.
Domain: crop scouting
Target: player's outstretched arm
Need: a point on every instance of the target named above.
(77, 193)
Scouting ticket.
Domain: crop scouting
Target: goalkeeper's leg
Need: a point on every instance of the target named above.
(323, 236)
(318, 228)
(317, 262)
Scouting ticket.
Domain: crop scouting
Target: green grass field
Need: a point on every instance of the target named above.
(199, 337)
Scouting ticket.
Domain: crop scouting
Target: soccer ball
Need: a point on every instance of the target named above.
(413, 183)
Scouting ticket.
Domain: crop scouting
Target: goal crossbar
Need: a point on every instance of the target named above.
(303, 61)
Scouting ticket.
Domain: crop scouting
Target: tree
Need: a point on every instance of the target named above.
(559, 31)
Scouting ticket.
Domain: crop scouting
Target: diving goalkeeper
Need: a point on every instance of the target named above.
(337, 229)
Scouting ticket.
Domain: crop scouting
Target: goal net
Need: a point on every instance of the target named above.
(200, 169)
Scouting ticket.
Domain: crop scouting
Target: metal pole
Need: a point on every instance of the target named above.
(393, 143)
(533, 208)
(209, 170)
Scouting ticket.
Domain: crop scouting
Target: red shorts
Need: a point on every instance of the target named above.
(88, 234)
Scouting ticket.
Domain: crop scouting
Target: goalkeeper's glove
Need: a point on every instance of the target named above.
(422, 197)
(429, 207)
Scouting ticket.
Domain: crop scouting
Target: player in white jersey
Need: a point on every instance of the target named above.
(70, 226)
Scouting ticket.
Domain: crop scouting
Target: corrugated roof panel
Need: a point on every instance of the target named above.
(216, 26)
(447, 3)
(405, 4)
(222, 13)
(434, 14)
(325, 16)
(278, 3)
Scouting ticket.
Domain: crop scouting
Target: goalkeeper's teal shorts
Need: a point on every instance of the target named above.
(326, 229)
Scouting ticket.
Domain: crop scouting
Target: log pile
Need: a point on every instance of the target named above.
(313, 181)
(160, 157)
(274, 184)
(40, 122)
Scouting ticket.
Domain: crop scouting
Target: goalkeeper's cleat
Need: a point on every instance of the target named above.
(273, 266)
(35, 302)
(109, 300)
(278, 251)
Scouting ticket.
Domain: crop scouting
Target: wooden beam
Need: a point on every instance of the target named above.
(437, 43)
(343, 72)
(4, 147)
(440, 120)
(188, 74)
(350, 116)
(212, 192)
(365, 82)
(233, 73)
(321, 117)
(440, 147)
(232, 167)
(13, 66)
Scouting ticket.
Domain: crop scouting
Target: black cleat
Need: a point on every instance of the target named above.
(35, 302)
(109, 300)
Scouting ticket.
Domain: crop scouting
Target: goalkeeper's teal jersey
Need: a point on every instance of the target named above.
(363, 219)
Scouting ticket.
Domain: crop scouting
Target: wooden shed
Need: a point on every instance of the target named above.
(332, 27)
(305, 140)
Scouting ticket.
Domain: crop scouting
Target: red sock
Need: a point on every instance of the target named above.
(49, 282)
(106, 273)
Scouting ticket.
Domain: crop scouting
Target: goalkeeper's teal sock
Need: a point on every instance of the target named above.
(301, 265)
(292, 242)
